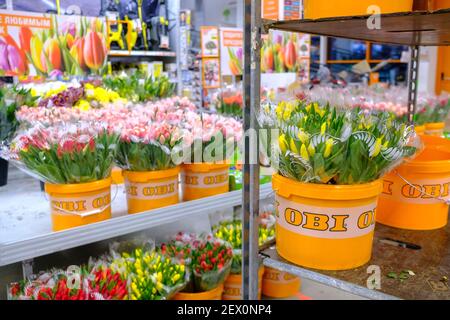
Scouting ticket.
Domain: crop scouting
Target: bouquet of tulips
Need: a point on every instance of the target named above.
(231, 232)
(230, 102)
(148, 146)
(138, 88)
(208, 258)
(214, 137)
(11, 98)
(434, 110)
(106, 283)
(67, 154)
(55, 285)
(152, 276)
(323, 144)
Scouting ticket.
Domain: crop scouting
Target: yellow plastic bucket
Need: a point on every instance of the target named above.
(214, 294)
(435, 129)
(117, 176)
(420, 130)
(74, 205)
(151, 189)
(409, 195)
(279, 284)
(325, 227)
(200, 180)
(316, 9)
(233, 286)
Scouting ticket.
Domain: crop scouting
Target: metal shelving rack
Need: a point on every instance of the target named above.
(414, 29)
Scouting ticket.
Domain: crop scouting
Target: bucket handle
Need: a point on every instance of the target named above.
(446, 201)
(85, 214)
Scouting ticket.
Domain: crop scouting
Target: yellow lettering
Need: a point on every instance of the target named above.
(293, 217)
(193, 180)
(445, 189)
(101, 202)
(365, 220)
(410, 192)
(431, 191)
(316, 221)
(132, 190)
(387, 187)
(339, 223)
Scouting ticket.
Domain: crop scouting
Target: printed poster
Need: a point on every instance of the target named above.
(231, 51)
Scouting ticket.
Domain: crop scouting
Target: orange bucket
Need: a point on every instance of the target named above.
(279, 284)
(435, 129)
(202, 180)
(214, 294)
(117, 176)
(325, 227)
(420, 130)
(74, 205)
(151, 189)
(410, 191)
(316, 9)
(233, 286)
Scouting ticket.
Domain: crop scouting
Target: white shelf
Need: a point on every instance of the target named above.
(25, 229)
(126, 53)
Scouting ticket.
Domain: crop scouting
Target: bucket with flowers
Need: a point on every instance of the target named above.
(328, 180)
(208, 260)
(75, 162)
(231, 232)
(145, 153)
(206, 173)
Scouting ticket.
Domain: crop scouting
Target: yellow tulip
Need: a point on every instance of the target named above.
(303, 136)
(283, 144)
(304, 152)
(323, 128)
(328, 147)
(293, 147)
(36, 47)
(377, 148)
(311, 150)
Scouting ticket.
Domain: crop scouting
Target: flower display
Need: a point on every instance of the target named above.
(230, 102)
(435, 109)
(323, 144)
(231, 232)
(66, 154)
(138, 88)
(152, 276)
(208, 258)
(109, 284)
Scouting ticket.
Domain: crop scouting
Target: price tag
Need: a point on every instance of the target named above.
(164, 42)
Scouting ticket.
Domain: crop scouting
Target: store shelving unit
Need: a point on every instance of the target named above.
(34, 238)
(125, 53)
(432, 261)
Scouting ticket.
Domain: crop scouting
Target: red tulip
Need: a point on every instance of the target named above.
(53, 53)
(94, 51)
(25, 35)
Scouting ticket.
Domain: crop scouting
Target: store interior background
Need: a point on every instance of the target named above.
(211, 13)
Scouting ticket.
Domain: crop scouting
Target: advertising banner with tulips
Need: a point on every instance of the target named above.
(50, 45)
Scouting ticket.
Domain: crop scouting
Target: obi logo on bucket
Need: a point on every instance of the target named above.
(78, 206)
(374, 20)
(331, 223)
(151, 191)
(196, 180)
(421, 190)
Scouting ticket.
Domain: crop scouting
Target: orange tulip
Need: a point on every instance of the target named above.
(70, 41)
(53, 53)
(234, 68)
(77, 52)
(268, 59)
(290, 55)
(25, 35)
(94, 52)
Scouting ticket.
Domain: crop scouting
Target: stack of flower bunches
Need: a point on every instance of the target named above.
(323, 144)
(231, 232)
(208, 258)
(152, 276)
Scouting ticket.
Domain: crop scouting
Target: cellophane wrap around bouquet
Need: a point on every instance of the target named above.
(328, 145)
(209, 259)
(75, 283)
(65, 154)
(433, 109)
(231, 232)
(151, 275)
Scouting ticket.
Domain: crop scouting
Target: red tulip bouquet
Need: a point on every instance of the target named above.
(67, 154)
(208, 259)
